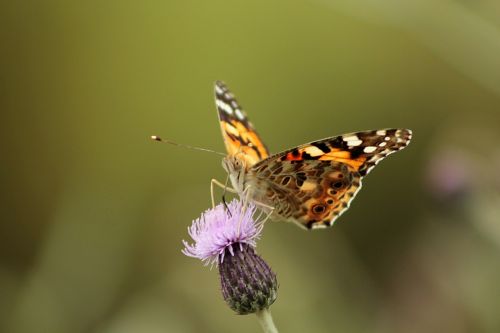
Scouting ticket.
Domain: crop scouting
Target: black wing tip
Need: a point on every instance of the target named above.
(220, 85)
(402, 133)
(405, 134)
(408, 133)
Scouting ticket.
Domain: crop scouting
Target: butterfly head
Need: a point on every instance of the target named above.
(235, 166)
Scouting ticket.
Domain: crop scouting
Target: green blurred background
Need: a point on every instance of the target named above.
(93, 212)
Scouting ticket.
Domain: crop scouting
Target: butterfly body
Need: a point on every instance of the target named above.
(310, 185)
(235, 167)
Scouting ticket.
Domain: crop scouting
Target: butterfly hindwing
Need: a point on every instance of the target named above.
(311, 193)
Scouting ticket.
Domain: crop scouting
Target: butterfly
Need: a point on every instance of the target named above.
(310, 185)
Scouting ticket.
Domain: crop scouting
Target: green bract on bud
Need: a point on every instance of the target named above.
(248, 284)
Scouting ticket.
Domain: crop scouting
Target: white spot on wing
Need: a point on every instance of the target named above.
(239, 114)
(218, 90)
(350, 138)
(224, 107)
(381, 132)
(369, 149)
(382, 144)
(354, 143)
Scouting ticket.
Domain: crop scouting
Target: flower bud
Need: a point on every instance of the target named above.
(248, 284)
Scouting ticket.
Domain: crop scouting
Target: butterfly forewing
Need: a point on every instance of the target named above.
(361, 150)
(237, 131)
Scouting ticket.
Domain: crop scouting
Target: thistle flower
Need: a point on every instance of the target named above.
(227, 238)
(220, 229)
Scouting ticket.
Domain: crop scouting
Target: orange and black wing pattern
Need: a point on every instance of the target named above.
(239, 134)
(361, 150)
(313, 184)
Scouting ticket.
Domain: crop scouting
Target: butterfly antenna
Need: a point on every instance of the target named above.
(157, 138)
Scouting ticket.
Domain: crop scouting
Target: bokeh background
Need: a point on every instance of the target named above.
(93, 212)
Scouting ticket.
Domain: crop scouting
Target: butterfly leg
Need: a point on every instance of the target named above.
(221, 185)
(269, 209)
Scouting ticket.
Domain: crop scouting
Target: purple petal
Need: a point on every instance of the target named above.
(218, 229)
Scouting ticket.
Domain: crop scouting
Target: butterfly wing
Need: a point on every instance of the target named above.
(361, 150)
(238, 133)
(314, 184)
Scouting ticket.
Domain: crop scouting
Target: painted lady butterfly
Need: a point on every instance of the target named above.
(311, 185)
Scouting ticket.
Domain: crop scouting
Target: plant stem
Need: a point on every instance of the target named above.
(266, 321)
